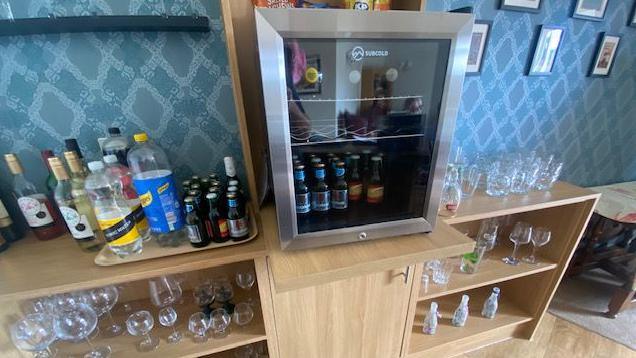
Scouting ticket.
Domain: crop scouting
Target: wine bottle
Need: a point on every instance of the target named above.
(8, 229)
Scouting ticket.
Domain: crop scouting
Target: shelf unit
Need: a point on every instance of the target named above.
(565, 210)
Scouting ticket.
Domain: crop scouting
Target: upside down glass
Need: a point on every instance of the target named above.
(34, 333)
(548, 176)
(498, 180)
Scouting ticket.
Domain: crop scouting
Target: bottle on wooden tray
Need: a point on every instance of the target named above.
(237, 218)
(117, 145)
(194, 225)
(8, 230)
(51, 182)
(42, 217)
(215, 225)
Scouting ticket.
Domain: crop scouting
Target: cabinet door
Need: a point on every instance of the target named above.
(360, 317)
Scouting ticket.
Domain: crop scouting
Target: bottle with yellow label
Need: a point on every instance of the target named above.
(113, 214)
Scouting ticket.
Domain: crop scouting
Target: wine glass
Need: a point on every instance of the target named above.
(204, 294)
(243, 314)
(540, 237)
(102, 300)
(140, 324)
(34, 333)
(198, 324)
(62, 302)
(223, 290)
(168, 318)
(77, 323)
(245, 280)
(520, 235)
(246, 351)
(164, 291)
(220, 322)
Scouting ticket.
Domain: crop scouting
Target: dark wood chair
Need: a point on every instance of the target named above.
(624, 269)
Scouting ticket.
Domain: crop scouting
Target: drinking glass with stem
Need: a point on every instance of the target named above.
(140, 324)
(34, 333)
(521, 234)
(168, 318)
(243, 314)
(220, 322)
(198, 324)
(540, 237)
(102, 300)
(76, 323)
(164, 292)
(246, 280)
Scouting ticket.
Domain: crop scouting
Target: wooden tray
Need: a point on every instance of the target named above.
(152, 250)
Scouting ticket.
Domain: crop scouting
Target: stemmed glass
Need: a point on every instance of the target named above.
(198, 324)
(223, 290)
(204, 294)
(220, 322)
(76, 323)
(246, 280)
(102, 300)
(34, 333)
(243, 314)
(164, 291)
(140, 324)
(540, 237)
(168, 318)
(520, 235)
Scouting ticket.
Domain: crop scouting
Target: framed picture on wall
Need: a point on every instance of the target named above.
(545, 51)
(605, 55)
(590, 9)
(521, 5)
(478, 43)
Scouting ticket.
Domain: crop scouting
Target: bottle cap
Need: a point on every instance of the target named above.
(114, 131)
(233, 183)
(232, 189)
(141, 137)
(188, 199)
(195, 186)
(230, 169)
(186, 183)
(13, 163)
(375, 158)
(299, 167)
(95, 166)
(211, 196)
(58, 168)
(72, 146)
(110, 159)
(355, 156)
(73, 161)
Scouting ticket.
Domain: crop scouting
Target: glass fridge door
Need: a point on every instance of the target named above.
(363, 118)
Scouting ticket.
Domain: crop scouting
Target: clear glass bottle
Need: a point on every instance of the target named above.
(113, 212)
(461, 313)
(430, 321)
(122, 175)
(72, 146)
(155, 184)
(42, 217)
(75, 213)
(116, 144)
(492, 303)
(451, 193)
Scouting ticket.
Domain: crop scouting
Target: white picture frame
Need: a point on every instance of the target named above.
(605, 55)
(521, 5)
(590, 9)
(478, 44)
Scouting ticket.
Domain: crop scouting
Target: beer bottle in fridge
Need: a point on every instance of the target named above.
(339, 196)
(375, 188)
(303, 205)
(320, 190)
(237, 218)
(354, 181)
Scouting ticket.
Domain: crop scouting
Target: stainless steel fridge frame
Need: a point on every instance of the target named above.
(275, 25)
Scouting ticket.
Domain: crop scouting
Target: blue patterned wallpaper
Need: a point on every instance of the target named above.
(175, 86)
(590, 121)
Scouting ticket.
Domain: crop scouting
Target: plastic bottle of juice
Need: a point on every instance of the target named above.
(112, 211)
(155, 184)
(123, 176)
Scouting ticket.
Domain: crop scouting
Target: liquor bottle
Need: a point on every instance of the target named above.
(430, 321)
(194, 225)
(230, 170)
(215, 224)
(237, 218)
(154, 181)
(354, 181)
(51, 183)
(320, 191)
(39, 212)
(339, 195)
(491, 304)
(375, 188)
(8, 230)
(303, 204)
(451, 193)
(461, 313)
(113, 212)
(72, 146)
(75, 214)
(123, 178)
(79, 172)
(117, 145)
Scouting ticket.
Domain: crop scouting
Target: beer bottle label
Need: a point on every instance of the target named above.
(299, 175)
(375, 194)
(209, 229)
(320, 201)
(35, 211)
(119, 231)
(77, 224)
(302, 203)
(223, 229)
(194, 235)
(238, 227)
(339, 199)
(355, 191)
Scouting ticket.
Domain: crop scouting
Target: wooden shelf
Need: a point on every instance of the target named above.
(448, 336)
(125, 345)
(491, 270)
(303, 268)
(32, 268)
(481, 206)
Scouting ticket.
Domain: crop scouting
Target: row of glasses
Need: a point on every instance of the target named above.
(522, 234)
(254, 350)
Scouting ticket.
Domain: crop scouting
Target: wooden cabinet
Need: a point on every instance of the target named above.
(357, 317)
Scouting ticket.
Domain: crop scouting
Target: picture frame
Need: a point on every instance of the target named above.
(606, 51)
(547, 45)
(478, 46)
(304, 87)
(593, 10)
(521, 5)
(631, 21)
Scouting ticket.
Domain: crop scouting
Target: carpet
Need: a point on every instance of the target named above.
(583, 300)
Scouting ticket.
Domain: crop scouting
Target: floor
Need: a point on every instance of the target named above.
(556, 338)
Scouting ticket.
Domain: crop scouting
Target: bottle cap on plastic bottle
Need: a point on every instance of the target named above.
(96, 165)
(110, 159)
(141, 137)
(114, 131)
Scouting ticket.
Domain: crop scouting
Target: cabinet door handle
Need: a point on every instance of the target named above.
(406, 274)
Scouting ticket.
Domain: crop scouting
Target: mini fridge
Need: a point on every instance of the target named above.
(360, 110)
